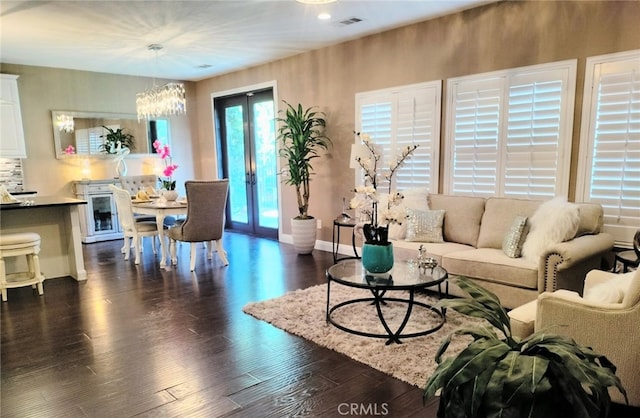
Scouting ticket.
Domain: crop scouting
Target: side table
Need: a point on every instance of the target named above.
(338, 223)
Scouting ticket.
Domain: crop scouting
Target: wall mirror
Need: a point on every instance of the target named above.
(85, 131)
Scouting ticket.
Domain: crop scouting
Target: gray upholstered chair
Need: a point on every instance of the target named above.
(132, 229)
(207, 201)
(134, 183)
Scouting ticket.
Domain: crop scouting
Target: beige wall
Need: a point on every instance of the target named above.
(45, 89)
(492, 37)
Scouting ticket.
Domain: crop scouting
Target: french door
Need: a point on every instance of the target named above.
(246, 131)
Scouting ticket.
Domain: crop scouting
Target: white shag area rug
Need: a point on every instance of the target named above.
(303, 313)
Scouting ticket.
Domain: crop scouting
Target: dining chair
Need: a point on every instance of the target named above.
(206, 205)
(132, 229)
(133, 184)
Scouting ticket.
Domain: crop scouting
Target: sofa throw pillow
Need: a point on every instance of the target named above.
(414, 198)
(554, 221)
(611, 291)
(425, 225)
(513, 240)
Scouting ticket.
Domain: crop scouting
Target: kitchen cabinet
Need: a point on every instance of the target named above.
(12, 143)
(99, 219)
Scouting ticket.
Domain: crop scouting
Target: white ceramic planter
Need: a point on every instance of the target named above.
(304, 235)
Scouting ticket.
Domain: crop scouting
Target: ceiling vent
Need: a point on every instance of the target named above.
(350, 21)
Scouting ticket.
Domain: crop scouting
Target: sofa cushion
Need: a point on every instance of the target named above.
(407, 250)
(425, 225)
(462, 217)
(492, 265)
(498, 216)
(413, 198)
(591, 219)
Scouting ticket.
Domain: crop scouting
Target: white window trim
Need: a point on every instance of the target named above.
(435, 146)
(564, 147)
(623, 234)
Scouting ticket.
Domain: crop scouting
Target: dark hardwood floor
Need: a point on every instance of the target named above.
(141, 341)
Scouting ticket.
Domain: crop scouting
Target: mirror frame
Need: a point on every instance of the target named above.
(59, 149)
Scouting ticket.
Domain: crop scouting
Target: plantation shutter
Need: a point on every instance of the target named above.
(416, 125)
(82, 141)
(535, 146)
(476, 125)
(401, 117)
(613, 132)
(509, 132)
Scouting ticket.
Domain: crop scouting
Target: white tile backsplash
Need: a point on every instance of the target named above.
(11, 174)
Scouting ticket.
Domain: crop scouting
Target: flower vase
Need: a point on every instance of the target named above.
(170, 195)
(376, 258)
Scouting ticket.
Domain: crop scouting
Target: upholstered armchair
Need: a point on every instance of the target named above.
(206, 205)
(606, 319)
(132, 229)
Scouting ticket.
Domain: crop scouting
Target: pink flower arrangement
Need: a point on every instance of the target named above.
(70, 150)
(169, 168)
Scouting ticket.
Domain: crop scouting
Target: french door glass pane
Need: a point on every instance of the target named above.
(265, 160)
(236, 163)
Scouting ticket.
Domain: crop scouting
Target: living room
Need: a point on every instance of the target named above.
(491, 37)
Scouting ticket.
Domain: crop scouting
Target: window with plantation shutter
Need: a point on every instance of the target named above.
(399, 117)
(509, 132)
(609, 167)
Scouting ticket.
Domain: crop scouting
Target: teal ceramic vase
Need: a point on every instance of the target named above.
(377, 258)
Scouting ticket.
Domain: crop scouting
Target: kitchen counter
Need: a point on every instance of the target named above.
(56, 219)
(42, 201)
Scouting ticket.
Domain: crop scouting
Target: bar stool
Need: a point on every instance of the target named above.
(14, 245)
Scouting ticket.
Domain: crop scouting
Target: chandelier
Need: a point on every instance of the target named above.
(158, 101)
(65, 123)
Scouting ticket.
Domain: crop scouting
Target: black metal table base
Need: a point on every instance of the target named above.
(378, 299)
(336, 241)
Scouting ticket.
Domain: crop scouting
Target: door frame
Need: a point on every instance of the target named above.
(273, 85)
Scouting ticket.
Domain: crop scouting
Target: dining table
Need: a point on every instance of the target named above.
(160, 208)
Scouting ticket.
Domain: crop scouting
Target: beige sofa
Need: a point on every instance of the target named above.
(473, 232)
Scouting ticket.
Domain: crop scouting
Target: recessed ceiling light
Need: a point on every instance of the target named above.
(324, 16)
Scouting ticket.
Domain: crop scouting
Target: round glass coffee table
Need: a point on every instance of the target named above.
(405, 276)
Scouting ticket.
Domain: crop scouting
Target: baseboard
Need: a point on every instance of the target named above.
(344, 249)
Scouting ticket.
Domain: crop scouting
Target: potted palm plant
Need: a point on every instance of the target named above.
(301, 136)
(115, 140)
(543, 375)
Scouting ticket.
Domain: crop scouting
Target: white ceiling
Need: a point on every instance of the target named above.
(225, 35)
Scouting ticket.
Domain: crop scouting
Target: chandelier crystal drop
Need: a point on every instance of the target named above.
(165, 100)
(65, 123)
(161, 101)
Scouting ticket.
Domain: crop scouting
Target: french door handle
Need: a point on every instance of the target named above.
(250, 177)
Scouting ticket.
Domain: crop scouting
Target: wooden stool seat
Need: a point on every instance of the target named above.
(15, 245)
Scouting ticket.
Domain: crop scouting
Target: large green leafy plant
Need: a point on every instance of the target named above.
(543, 375)
(115, 140)
(301, 136)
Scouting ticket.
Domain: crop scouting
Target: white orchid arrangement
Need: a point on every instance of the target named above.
(366, 197)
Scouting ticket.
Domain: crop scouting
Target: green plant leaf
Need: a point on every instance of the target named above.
(477, 357)
(487, 299)
(474, 309)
